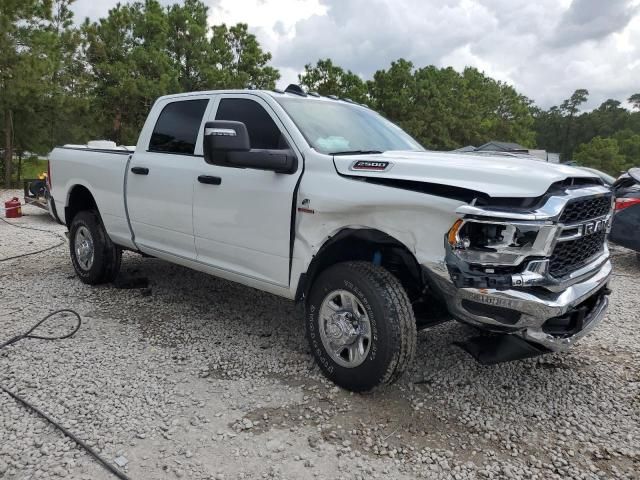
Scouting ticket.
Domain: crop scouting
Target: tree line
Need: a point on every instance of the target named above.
(445, 109)
(66, 83)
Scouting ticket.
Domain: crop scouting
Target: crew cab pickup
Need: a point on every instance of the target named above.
(323, 201)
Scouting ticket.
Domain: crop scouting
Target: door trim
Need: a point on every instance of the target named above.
(208, 265)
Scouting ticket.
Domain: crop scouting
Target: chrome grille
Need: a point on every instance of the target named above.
(583, 209)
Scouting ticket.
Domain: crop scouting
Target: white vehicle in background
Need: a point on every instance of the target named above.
(323, 201)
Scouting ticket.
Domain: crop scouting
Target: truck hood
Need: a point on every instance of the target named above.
(495, 176)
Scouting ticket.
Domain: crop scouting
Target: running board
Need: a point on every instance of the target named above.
(500, 348)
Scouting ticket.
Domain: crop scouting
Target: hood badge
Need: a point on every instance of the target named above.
(370, 166)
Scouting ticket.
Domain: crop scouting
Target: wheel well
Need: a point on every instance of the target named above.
(369, 245)
(80, 199)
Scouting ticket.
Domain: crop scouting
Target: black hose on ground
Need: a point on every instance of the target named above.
(63, 240)
(29, 334)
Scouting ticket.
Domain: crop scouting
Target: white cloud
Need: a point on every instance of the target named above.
(546, 48)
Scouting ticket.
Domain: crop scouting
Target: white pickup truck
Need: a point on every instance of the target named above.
(322, 200)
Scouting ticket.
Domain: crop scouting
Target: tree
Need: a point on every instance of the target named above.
(41, 78)
(570, 108)
(189, 48)
(602, 154)
(493, 110)
(328, 79)
(240, 60)
(607, 120)
(141, 51)
(446, 109)
(629, 146)
(24, 66)
(131, 66)
(392, 90)
(634, 100)
(67, 108)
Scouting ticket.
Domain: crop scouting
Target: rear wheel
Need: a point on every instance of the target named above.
(360, 326)
(94, 256)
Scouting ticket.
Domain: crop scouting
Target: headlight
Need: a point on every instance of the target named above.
(490, 242)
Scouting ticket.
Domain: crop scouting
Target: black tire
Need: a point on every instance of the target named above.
(106, 256)
(392, 322)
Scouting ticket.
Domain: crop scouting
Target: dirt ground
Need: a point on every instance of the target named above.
(197, 377)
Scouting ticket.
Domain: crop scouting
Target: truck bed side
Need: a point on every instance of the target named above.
(102, 174)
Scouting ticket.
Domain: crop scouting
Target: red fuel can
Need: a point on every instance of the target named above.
(12, 207)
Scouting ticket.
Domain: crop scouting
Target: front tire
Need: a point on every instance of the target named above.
(94, 256)
(360, 326)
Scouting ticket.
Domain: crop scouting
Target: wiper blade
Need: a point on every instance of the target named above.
(356, 152)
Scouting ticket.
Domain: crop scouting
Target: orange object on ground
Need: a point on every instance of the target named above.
(13, 209)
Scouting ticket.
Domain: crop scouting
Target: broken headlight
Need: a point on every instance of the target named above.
(496, 243)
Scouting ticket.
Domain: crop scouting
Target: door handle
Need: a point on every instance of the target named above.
(140, 170)
(209, 180)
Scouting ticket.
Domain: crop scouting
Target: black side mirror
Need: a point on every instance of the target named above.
(223, 136)
(226, 143)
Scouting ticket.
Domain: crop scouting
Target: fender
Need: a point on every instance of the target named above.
(362, 243)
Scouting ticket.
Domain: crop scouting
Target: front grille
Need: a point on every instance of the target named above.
(574, 254)
(583, 209)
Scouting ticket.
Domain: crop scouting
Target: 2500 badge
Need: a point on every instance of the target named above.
(371, 165)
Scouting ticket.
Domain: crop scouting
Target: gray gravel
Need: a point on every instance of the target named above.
(200, 378)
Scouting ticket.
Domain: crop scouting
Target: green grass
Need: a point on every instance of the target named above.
(33, 167)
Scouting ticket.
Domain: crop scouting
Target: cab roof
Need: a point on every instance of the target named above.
(291, 91)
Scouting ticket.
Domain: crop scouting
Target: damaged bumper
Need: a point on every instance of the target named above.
(550, 318)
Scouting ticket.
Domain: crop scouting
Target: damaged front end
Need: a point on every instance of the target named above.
(538, 276)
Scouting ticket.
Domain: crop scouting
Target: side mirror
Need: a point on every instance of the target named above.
(279, 161)
(223, 136)
(226, 143)
(635, 174)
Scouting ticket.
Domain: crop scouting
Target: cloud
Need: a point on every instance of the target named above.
(592, 20)
(545, 48)
(365, 35)
(512, 40)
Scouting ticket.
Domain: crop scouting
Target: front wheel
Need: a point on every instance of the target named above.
(94, 256)
(360, 326)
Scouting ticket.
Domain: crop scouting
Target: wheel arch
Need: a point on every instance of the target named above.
(365, 244)
(80, 198)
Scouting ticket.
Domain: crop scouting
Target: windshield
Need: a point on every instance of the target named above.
(335, 127)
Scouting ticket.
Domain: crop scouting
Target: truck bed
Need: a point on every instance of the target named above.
(102, 172)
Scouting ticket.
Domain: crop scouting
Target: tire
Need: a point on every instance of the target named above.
(382, 303)
(94, 256)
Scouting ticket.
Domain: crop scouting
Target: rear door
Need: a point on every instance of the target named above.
(159, 188)
(243, 223)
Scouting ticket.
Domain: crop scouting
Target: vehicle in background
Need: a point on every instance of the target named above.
(625, 228)
(606, 178)
(488, 153)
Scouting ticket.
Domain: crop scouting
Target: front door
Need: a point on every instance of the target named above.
(159, 183)
(243, 223)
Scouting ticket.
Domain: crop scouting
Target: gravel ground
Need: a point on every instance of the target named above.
(196, 377)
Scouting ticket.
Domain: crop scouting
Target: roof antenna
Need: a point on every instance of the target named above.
(296, 90)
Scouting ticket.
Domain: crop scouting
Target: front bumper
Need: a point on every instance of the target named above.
(554, 320)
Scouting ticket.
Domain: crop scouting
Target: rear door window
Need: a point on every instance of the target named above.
(176, 130)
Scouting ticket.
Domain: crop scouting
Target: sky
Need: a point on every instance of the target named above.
(545, 48)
